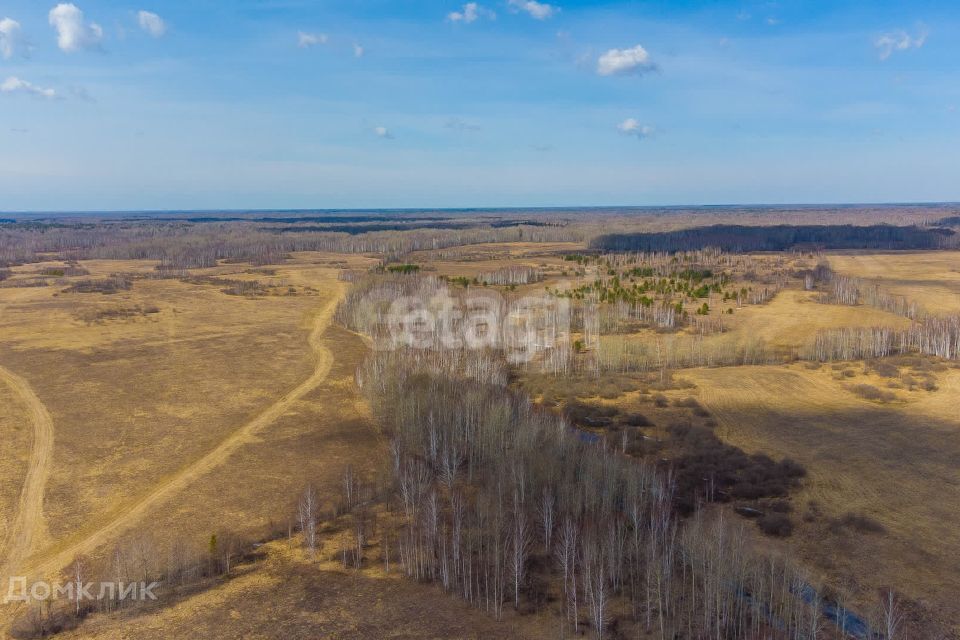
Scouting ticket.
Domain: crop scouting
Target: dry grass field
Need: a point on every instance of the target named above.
(161, 411)
(785, 324)
(930, 278)
(896, 463)
(517, 253)
(794, 317)
(173, 402)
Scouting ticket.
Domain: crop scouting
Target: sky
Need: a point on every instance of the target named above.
(247, 104)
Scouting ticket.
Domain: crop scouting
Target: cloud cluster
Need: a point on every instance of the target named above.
(11, 40)
(306, 40)
(537, 10)
(632, 127)
(625, 61)
(73, 33)
(358, 50)
(152, 23)
(471, 12)
(14, 84)
(887, 43)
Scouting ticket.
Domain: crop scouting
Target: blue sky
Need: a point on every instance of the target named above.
(207, 104)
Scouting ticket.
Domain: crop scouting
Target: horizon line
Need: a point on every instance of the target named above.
(538, 208)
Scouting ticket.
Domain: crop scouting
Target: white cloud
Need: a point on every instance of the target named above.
(887, 43)
(306, 40)
(383, 132)
(11, 39)
(470, 13)
(632, 127)
(358, 51)
(152, 24)
(14, 84)
(624, 61)
(538, 10)
(73, 34)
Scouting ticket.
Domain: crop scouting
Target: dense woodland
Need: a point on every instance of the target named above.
(182, 241)
(184, 245)
(739, 238)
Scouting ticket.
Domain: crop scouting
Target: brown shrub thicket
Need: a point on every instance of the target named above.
(870, 392)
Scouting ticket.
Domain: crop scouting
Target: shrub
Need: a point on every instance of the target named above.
(636, 420)
(708, 464)
(886, 370)
(858, 522)
(403, 268)
(775, 524)
(691, 403)
(870, 392)
(591, 415)
(609, 391)
(105, 286)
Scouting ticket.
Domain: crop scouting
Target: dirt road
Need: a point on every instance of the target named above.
(48, 562)
(28, 522)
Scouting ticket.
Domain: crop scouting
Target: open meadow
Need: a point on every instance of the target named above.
(169, 396)
(877, 507)
(231, 422)
(930, 279)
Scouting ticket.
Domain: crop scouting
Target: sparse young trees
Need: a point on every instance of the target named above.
(527, 488)
(307, 517)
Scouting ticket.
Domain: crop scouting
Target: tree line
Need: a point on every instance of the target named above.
(180, 244)
(782, 237)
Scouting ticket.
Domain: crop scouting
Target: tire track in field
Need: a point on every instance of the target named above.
(29, 519)
(51, 560)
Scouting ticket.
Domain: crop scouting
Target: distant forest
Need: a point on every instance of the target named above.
(739, 238)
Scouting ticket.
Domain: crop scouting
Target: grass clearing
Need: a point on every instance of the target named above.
(930, 278)
(896, 465)
(135, 400)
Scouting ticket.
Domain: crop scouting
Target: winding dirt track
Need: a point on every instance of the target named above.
(29, 519)
(47, 562)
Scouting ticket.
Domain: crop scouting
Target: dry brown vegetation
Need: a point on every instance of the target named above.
(635, 483)
(932, 279)
(894, 464)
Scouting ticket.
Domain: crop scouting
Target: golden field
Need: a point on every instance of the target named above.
(184, 407)
(206, 399)
(893, 462)
(930, 278)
